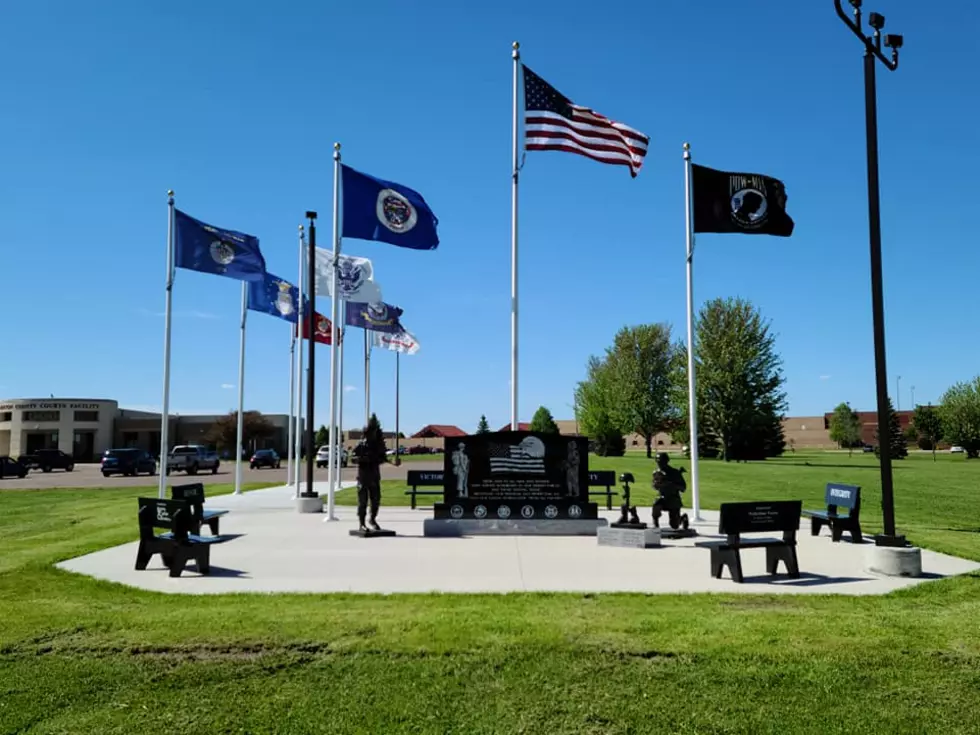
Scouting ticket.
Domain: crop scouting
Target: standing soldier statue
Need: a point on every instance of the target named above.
(371, 453)
(669, 483)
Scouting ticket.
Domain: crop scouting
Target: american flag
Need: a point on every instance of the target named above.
(506, 458)
(554, 123)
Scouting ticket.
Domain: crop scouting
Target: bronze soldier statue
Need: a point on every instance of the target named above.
(669, 483)
(371, 453)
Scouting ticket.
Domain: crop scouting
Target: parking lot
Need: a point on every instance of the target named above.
(89, 475)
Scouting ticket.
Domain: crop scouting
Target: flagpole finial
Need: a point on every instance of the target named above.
(170, 193)
(301, 228)
(516, 45)
(336, 146)
(687, 146)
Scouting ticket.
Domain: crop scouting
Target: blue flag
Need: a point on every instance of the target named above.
(375, 209)
(208, 249)
(272, 295)
(377, 317)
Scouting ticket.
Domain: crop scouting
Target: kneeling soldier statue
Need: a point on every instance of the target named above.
(371, 453)
(669, 483)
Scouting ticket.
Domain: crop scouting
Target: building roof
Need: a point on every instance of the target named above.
(440, 430)
(521, 426)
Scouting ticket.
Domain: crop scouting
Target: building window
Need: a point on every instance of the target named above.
(40, 416)
(5, 416)
(89, 416)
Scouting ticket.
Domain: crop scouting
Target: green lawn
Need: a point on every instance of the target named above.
(79, 656)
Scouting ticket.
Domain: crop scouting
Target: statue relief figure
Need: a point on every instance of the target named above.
(571, 469)
(461, 468)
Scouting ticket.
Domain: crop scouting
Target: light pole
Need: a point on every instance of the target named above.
(872, 50)
(898, 392)
(912, 391)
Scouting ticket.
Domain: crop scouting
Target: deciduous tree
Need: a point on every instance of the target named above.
(929, 426)
(959, 412)
(845, 427)
(223, 433)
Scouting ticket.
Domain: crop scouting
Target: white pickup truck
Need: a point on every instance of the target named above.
(192, 458)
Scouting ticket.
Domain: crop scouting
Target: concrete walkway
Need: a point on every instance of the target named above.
(283, 551)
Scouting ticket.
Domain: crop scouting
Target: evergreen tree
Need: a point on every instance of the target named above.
(483, 427)
(322, 437)
(544, 422)
(896, 441)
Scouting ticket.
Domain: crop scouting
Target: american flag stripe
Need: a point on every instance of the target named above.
(553, 122)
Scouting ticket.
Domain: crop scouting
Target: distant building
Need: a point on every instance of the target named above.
(86, 427)
(432, 431)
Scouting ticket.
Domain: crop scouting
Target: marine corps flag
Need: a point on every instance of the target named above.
(322, 331)
(752, 204)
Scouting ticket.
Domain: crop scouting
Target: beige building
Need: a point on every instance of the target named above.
(86, 427)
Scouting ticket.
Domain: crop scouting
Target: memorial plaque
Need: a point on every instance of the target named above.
(519, 475)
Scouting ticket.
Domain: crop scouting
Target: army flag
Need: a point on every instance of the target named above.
(201, 247)
(751, 204)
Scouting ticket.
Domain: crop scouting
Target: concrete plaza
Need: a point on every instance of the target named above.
(280, 550)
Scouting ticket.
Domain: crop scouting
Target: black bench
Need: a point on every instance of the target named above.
(739, 518)
(421, 478)
(606, 479)
(194, 494)
(839, 497)
(179, 545)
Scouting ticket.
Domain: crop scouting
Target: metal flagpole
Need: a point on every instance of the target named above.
(398, 370)
(692, 399)
(241, 393)
(292, 404)
(341, 333)
(516, 55)
(165, 411)
(367, 379)
(334, 310)
(298, 367)
(310, 492)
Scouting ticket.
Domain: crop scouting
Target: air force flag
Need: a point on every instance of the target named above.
(274, 296)
(375, 209)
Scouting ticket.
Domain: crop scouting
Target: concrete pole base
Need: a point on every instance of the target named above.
(894, 561)
(309, 505)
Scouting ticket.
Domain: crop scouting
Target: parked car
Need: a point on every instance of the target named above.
(342, 457)
(128, 461)
(192, 458)
(956, 450)
(47, 460)
(10, 467)
(264, 458)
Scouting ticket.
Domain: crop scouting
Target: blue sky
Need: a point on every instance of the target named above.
(235, 105)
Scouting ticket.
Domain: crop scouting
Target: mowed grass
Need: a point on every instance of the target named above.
(81, 656)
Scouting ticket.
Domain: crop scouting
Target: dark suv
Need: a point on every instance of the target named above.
(10, 467)
(128, 462)
(265, 458)
(49, 459)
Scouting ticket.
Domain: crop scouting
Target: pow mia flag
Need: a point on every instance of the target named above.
(752, 204)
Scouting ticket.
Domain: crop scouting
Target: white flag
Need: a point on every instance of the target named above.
(403, 341)
(355, 277)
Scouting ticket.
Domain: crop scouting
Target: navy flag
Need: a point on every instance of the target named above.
(379, 317)
(752, 204)
(274, 296)
(375, 209)
(202, 247)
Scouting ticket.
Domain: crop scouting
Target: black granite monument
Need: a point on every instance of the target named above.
(516, 475)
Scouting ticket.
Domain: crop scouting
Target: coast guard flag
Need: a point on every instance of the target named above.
(375, 209)
(355, 277)
(378, 317)
(199, 246)
(274, 296)
(403, 341)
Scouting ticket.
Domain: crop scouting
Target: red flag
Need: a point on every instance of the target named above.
(322, 332)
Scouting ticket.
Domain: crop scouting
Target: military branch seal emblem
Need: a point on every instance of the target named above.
(739, 202)
(395, 211)
(350, 276)
(749, 202)
(284, 300)
(222, 252)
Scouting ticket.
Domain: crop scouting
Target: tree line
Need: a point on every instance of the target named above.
(640, 386)
(956, 421)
